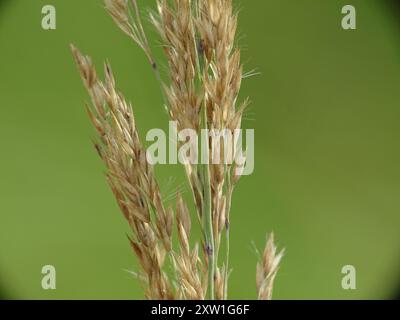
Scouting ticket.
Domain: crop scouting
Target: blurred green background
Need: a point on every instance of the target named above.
(325, 109)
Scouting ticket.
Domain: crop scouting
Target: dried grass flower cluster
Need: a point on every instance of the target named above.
(204, 80)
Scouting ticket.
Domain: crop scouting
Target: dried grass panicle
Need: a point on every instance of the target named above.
(205, 72)
(267, 269)
(130, 177)
(132, 181)
(204, 78)
(130, 24)
(175, 25)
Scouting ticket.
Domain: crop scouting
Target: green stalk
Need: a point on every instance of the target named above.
(207, 213)
(227, 233)
(206, 176)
